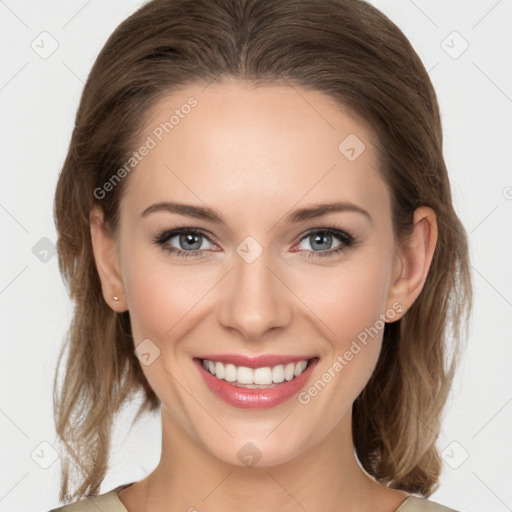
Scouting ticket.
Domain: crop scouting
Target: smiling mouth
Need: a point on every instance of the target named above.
(256, 378)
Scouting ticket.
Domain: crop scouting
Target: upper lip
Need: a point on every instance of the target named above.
(255, 361)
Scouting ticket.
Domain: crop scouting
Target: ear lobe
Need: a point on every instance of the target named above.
(107, 261)
(414, 257)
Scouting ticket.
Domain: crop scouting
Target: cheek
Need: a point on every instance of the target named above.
(163, 301)
(153, 307)
(350, 299)
(350, 302)
(163, 298)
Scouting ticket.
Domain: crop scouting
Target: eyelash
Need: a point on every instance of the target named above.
(348, 241)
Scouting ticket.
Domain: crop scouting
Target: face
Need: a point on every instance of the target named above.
(252, 280)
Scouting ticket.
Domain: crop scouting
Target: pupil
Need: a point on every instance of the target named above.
(324, 238)
(189, 239)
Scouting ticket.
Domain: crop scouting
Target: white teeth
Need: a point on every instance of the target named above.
(257, 377)
(219, 370)
(230, 372)
(278, 373)
(300, 367)
(263, 375)
(245, 375)
(289, 371)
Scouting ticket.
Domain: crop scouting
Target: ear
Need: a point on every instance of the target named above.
(412, 262)
(107, 261)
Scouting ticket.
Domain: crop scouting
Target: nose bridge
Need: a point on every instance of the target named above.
(256, 300)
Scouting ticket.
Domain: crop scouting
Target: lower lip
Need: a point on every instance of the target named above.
(255, 398)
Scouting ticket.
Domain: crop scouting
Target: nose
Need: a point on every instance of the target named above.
(254, 299)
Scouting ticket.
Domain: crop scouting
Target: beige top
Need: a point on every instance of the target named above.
(110, 502)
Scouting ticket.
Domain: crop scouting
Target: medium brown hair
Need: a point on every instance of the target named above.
(346, 49)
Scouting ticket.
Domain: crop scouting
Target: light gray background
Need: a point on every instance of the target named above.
(39, 97)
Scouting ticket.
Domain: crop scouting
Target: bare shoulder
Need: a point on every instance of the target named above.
(415, 504)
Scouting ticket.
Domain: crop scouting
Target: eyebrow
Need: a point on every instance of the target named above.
(299, 215)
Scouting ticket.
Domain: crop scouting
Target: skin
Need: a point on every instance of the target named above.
(255, 154)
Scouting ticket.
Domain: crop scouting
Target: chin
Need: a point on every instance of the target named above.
(255, 452)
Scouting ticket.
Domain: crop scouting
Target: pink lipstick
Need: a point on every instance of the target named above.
(255, 381)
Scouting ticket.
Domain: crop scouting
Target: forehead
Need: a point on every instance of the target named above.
(232, 143)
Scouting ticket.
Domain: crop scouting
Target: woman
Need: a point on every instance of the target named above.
(255, 222)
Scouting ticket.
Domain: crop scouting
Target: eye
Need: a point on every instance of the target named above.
(189, 241)
(322, 239)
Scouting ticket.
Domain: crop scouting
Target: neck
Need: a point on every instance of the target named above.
(321, 478)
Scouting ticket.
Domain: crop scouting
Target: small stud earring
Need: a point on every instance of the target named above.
(115, 298)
